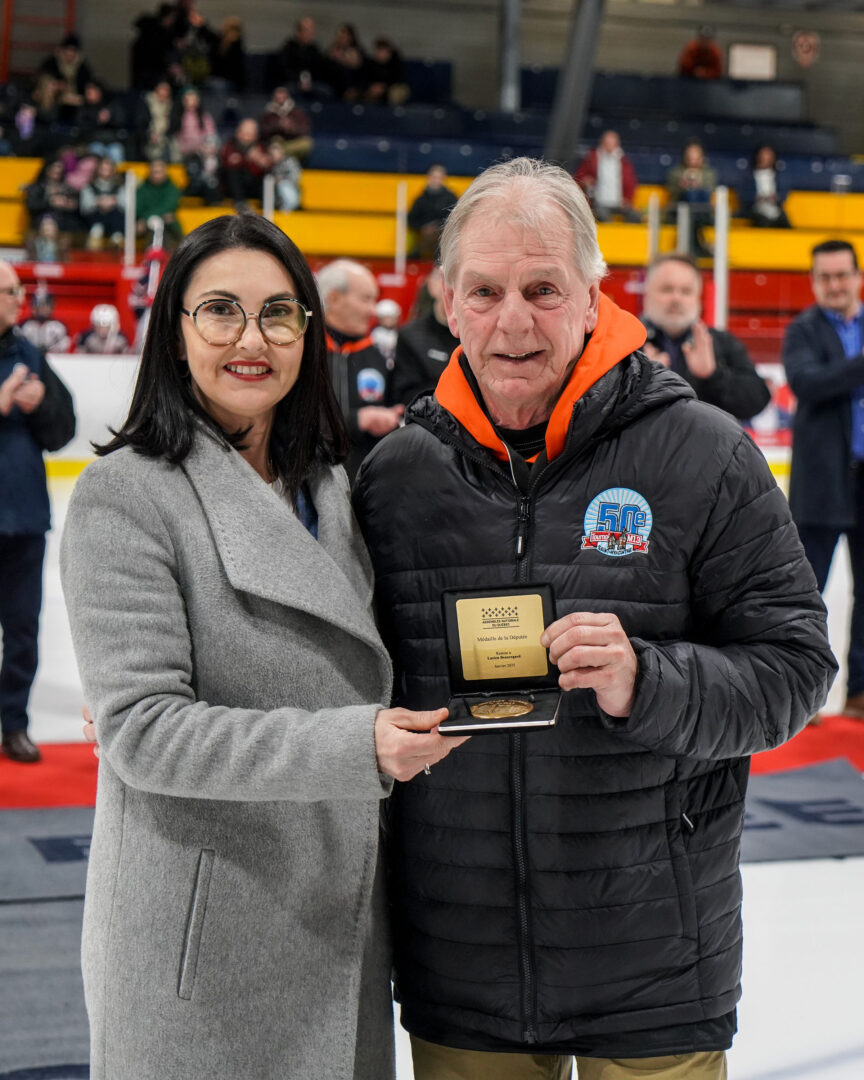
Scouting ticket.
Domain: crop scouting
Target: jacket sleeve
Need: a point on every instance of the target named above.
(130, 629)
(52, 425)
(735, 386)
(758, 665)
(810, 378)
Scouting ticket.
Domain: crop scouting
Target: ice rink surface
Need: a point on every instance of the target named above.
(802, 1013)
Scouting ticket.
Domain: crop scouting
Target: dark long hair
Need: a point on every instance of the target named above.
(165, 411)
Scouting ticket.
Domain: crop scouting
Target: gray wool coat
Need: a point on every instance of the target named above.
(234, 924)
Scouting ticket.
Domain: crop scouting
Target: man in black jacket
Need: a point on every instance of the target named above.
(35, 415)
(423, 346)
(574, 890)
(360, 373)
(429, 212)
(713, 362)
(822, 352)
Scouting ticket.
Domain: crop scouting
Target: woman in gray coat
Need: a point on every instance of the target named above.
(219, 596)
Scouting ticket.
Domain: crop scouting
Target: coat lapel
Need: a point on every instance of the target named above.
(268, 552)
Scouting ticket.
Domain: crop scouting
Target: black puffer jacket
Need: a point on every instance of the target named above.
(577, 889)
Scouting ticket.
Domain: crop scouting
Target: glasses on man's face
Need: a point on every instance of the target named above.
(281, 321)
(13, 290)
(841, 276)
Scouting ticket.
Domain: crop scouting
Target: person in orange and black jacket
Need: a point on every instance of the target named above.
(575, 890)
(361, 376)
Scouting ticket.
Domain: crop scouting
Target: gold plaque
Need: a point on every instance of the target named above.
(501, 707)
(499, 637)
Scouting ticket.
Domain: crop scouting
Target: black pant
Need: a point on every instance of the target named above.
(819, 543)
(21, 560)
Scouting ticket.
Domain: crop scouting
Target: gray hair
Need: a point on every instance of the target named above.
(336, 277)
(530, 190)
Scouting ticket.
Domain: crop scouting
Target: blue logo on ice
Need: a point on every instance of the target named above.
(618, 522)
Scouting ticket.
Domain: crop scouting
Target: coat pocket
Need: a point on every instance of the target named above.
(195, 924)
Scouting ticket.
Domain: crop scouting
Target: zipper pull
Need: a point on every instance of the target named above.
(522, 532)
(688, 823)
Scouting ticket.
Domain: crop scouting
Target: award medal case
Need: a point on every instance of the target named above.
(494, 655)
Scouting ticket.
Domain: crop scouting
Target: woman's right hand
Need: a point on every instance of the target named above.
(406, 742)
(89, 729)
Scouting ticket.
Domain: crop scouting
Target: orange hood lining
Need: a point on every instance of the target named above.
(617, 334)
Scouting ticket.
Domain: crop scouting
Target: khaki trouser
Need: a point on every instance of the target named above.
(434, 1062)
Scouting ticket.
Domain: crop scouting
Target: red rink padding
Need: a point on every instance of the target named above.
(66, 776)
(835, 737)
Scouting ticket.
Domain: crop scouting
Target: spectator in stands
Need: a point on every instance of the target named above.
(386, 331)
(346, 61)
(286, 172)
(104, 335)
(42, 329)
(701, 57)
(429, 212)
(158, 197)
(45, 243)
(822, 353)
(228, 57)
(608, 178)
(301, 64)
(763, 198)
(424, 346)
(693, 182)
(713, 362)
(204, 172)
(100, 126)
(103, 205)
(283, 119)
(152, 49)
(154, 122)
(194, 42)
(36, 414)
(68, 67)
(360, 375)
(50, 195)
(244, 163)
(29, 138)
(384, 75)
(190, 125)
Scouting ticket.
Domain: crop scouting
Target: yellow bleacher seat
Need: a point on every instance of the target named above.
(826, 210)
(16, 173)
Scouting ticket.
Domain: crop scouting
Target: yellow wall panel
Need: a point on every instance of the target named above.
(825, 210)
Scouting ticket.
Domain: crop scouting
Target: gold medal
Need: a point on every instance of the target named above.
(501, 707)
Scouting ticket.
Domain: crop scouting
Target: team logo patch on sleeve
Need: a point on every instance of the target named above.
(618, 522)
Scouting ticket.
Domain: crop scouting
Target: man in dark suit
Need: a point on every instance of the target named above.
(36, 414)
(822, 352)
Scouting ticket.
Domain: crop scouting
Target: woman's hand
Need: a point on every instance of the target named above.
(406, 742)
(89, 729)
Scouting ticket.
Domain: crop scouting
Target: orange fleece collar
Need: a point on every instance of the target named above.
(348, 347)
(617, 334)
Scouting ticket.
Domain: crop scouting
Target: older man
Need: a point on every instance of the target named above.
(360, 373)
(822, 351)
(575, 890)
(35, 415)
(713, 362)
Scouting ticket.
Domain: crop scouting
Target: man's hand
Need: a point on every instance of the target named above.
(653, 353)
(379, 419)
(592, 651)
(10, 386)
(89, 729)
(699, 353)
(30, 394)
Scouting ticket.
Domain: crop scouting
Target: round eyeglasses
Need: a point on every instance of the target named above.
(281, 321)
